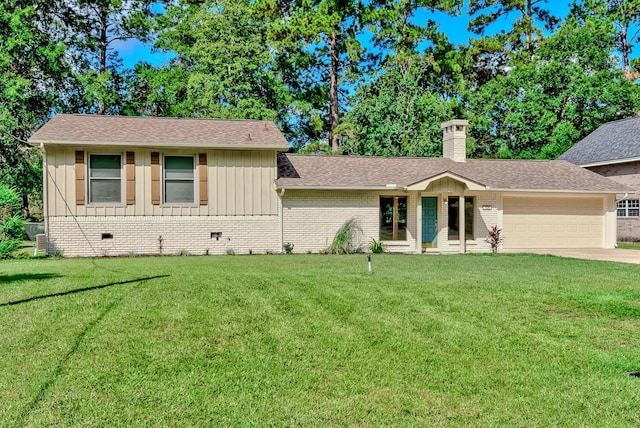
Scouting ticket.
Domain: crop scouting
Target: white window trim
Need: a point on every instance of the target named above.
(122, 179)
(195, 181)
(626, 208)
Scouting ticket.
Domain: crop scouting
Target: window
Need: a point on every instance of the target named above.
(454, 218)
(178, 179)
(393, 218)
(105, 181)
(629, 208)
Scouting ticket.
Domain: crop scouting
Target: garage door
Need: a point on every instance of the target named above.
(553, 223)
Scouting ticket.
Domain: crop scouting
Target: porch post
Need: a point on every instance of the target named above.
(418, 224)
(461, 225)
(395, 218)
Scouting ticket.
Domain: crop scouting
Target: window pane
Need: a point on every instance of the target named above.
(454, 218)
(388, 220)
(468, 218)
(634, 212)
(104, 165)
(105, 190)
(178, 191)
(621, 212)
(178, 167)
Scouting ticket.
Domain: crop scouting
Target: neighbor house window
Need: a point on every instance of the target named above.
(454, 217)
(179, 179)
(629, 208)
(393, 218)
(105, 179)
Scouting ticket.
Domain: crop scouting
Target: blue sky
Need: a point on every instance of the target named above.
(455, 27)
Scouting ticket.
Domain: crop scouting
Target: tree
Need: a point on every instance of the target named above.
(221, 66)
(321, 36)
(524, 34)
(394, 27)
(33, 75)
(540, 108)
(93, 28)
(398, 114)
(624, 14)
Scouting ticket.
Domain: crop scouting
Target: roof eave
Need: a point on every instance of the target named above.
(593, 192)
(278, 147)
(303, 187)
(609, 162)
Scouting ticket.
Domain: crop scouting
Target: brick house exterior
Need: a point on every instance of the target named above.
(134, 185)
(613, 151)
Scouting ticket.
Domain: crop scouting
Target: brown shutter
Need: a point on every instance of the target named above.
(80, 177)
(131, 178)
(155, 178)
(202, 173)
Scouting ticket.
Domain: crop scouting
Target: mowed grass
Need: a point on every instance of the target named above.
(312, 340)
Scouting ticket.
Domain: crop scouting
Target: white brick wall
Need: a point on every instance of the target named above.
(312, 218)
(82, 236)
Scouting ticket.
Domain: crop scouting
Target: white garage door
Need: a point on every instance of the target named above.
(553, 223)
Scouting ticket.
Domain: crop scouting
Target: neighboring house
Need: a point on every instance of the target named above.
(134, 185)
(613, 150)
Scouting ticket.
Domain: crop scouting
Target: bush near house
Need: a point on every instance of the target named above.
(11, 222)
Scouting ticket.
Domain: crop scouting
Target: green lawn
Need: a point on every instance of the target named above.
(311, 340)
(629, 245)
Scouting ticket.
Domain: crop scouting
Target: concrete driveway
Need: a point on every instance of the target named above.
(608, 255)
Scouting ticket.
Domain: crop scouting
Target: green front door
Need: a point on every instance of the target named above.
(429, 222)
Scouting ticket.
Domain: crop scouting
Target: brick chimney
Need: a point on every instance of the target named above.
(454, 140)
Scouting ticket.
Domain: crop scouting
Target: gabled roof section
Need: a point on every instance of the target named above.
(78, 129)
(423, 184)
(378, 173)
(613, 142)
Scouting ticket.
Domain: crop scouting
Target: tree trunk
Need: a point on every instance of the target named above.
(103, 54)
(624, 48)
(333, 93)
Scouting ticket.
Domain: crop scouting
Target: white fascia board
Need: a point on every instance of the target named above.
(610, 162)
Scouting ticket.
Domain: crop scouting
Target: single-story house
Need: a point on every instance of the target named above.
(141, 185)
(613, 150)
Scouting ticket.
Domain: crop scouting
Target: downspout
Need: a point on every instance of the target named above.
(281, 220)
(45, 199)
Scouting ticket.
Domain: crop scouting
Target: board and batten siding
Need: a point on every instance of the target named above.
(239, 183)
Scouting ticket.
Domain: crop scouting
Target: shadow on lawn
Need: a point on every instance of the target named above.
(27, 277)
(79, 290)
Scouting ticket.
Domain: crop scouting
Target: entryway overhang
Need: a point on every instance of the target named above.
(424, 184)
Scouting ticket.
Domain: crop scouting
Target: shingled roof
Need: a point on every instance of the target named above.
(613, 142)
(354, 172)
(78, 129)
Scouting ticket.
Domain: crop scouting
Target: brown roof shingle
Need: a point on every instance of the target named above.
(81, 129)
(307, 171)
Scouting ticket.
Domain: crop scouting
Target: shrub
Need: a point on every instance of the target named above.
(288, 247)
(231, 252)
(344, 241)
(12, 227)
(7, 247)
(495, 238)
(11, 224)
(376, 247)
